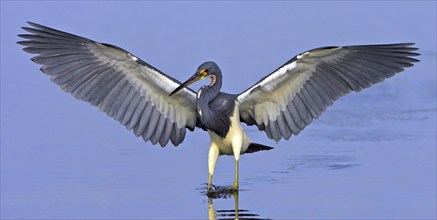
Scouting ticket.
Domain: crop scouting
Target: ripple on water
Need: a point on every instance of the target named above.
(332, 162)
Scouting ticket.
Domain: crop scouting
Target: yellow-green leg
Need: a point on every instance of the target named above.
(212, 160)
(235, 186)
(209, 182)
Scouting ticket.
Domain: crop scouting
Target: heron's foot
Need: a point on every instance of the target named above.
(235, 186)
(220, 192)
(209, 187)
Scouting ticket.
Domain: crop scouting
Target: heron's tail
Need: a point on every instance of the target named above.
(254, 147)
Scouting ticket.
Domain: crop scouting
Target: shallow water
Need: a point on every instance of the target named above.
(370, 155)
(354, 162)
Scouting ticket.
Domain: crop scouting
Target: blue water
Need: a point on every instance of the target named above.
(370, 155)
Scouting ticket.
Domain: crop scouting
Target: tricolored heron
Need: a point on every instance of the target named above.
(160, 109)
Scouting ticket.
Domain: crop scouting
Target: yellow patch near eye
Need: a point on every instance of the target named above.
(203, 72)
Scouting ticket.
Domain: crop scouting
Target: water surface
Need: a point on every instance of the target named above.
(371, 155)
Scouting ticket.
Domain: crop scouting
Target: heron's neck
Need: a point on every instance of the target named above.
(209, 93)
(210, 108)
(206, 95)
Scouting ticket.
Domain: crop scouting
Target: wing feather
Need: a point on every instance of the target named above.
(282, 125)
(302, 110)
(290, 120)
(153, 121)
(118, 83)
(136, 116)
(112, 102)
(167, 133)
(287, 100)
(130, 93)
(175, 135)
(158, 131)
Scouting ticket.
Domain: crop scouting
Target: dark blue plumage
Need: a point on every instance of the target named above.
(214, 108)
(216, 114)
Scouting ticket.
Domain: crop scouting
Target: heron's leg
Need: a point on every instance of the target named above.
(212, 160)
(236, 147)
(235, 186)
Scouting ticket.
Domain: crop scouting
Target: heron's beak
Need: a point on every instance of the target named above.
(196, 77)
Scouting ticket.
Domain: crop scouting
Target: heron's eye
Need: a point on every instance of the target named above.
(204, 72)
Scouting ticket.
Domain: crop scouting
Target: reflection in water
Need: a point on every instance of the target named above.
(226, 192)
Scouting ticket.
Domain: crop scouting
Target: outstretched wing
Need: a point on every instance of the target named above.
(288, 99)
(118, 83)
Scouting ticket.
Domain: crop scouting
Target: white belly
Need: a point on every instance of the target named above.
(236, 136)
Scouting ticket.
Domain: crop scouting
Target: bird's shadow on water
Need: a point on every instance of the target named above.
(225, 192)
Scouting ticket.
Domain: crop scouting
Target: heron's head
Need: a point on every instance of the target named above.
(206, 70)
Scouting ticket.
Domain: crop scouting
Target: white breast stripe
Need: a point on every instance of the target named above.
(236, 134)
